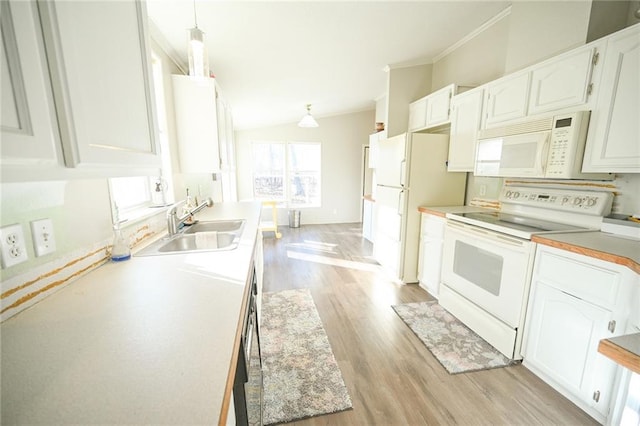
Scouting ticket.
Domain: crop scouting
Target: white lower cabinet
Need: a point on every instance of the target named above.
(575, 302)
(430, 256)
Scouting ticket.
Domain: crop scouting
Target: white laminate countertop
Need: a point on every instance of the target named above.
(600, 245)
(146, 341)
(443, 210)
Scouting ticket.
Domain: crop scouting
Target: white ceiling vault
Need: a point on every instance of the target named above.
(273, 57)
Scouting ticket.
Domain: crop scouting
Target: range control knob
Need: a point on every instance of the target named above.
(516, 195)
(577, 201)
(591, 201)
(565, 199)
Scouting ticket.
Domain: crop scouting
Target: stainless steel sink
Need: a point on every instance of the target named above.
(198, 242)
(215, 225)
(200, 237)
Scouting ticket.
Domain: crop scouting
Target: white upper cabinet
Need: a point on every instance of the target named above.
(418, 114)
(466, 114)
(438, 106)
(195, 101)
(613, 142)
(28, 119)
(374, 140)
(561, 82)
(101, 77)
(507, 98)
(432, 110)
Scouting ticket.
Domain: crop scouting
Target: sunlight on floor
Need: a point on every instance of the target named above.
(315, 246)
(333, 261)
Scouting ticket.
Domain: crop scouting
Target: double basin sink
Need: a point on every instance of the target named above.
(215, 235)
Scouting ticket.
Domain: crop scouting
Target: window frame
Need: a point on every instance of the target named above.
(288, 173)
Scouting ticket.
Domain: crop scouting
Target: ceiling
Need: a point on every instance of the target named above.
(271, 58)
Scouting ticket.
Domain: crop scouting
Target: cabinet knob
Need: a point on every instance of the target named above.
(612, 326)
(596, 396)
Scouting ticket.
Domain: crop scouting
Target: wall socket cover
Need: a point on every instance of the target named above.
(12, 245)
(44, 241)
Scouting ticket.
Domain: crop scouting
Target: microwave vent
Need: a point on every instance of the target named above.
(539, 125)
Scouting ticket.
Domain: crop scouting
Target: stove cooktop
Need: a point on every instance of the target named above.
(525, 210)
(521, 226)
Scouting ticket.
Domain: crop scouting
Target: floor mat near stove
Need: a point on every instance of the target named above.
(454, 345)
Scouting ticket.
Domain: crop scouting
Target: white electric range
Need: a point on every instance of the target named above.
(488, 256)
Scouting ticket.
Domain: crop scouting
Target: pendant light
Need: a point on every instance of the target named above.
(198, 59)
(308, 120)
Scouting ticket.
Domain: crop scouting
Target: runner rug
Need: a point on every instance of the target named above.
(454, 345)
(300, 374)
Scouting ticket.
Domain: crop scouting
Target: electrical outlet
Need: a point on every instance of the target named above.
(44, 241)
(12, 245)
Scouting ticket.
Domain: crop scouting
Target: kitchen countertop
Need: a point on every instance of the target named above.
(442, 211)
(624, 350)
(600, 245)
(148, 340)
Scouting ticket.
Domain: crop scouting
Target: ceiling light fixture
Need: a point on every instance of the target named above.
(198, 60)
(307, 119)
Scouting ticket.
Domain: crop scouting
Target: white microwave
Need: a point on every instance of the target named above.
(550, 147)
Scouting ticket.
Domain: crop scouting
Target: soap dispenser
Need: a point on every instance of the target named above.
(120, 250)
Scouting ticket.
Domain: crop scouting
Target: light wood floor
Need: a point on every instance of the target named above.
(392, 377)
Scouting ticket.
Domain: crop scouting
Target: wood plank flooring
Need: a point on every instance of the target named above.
(392, 377)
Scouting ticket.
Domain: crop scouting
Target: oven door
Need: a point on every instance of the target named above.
(490, 269)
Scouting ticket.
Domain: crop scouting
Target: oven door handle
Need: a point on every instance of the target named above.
(490, 235)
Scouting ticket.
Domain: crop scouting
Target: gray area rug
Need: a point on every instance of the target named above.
(300, 374)
(454, 345)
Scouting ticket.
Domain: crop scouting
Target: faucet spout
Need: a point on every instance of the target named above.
(174, 222)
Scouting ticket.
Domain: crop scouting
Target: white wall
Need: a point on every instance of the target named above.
(342, 138)
(478, 61)
(541, 29)
(405, 85)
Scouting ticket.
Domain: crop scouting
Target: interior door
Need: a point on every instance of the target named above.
(390, 170)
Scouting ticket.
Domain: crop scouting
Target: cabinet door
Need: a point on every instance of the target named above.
(507, 99)
(438, 106)
(196, 124)
(100, 70)
(614, 131)
(27, 118)
(374, 140)
(418, 114)
(562, 341)
(562, 82)
(466, 113)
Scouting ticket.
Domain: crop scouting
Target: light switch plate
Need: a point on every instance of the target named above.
(44, 241)
(12, 245)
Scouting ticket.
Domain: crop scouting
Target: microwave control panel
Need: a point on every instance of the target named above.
(568, 136)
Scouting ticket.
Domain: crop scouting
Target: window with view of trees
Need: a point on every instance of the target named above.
(287, 172)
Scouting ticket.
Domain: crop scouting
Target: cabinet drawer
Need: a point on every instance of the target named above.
(590, 282)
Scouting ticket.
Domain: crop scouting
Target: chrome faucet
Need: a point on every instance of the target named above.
(174, 222)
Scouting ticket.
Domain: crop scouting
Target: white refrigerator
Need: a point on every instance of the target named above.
(411, 171)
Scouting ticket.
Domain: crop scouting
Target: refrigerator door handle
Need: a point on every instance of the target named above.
(400, 203)
(403, 172)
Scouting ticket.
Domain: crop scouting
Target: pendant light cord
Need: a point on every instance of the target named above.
(195, 15)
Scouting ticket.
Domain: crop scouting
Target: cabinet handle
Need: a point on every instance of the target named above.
(612, 326)
(596, 396)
